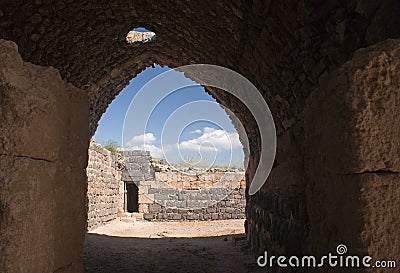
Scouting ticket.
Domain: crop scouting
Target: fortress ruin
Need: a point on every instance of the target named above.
(127, 185)
(329, 71)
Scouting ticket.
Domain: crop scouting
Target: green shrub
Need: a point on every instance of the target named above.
(111, 145)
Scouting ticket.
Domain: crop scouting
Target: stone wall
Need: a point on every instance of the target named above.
(352, 136)
(137, 166)
(283, 47)
(163, 194)
(170, 193)
(104, 196)
(43, 156)
(175, 195)
(277, 217)
(231, 206)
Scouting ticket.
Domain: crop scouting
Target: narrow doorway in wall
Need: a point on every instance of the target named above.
(132, 197)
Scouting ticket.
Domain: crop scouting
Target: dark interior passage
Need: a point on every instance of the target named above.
(132, 193)
(328, 70)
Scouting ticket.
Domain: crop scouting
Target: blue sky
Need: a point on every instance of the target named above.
(187, 124)
(141, 29)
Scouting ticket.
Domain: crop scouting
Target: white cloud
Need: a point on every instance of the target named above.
(212, 140)
(198, 131)
(145, 143)
(147, 138)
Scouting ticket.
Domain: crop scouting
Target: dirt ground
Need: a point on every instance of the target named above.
(167, 247)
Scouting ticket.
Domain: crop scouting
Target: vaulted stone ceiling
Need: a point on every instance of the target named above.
(281, 46)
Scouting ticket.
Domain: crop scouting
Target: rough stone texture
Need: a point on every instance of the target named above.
(172, 194)
(143, 37)
(283, 47)
(163, 195)
(202, 205)
(137, 166)
(380, 225)
(352, 143)
(104, 195)
(199, 179)
(358, 105)
(43, 154)
(196, 196)
(277, 218)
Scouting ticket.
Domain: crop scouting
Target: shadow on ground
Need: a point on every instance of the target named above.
(105, 254)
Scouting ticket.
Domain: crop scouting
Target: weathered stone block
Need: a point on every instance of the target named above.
(41, 166)
(214, 216)
(148, 216)
(352, 154)
(146, 199)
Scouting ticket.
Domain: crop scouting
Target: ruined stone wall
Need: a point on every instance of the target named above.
(104, 197)
(170, 193)
(283, 47)
(137, 166)
(175, 195)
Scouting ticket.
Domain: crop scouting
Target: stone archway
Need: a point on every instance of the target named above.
(284, 48)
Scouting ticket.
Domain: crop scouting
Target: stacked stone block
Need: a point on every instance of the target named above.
(104, 199)
(172, 204)
(283, 47)
(137, 166)
(172, 194)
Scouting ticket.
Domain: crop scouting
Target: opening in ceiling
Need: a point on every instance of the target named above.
(140, 35)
